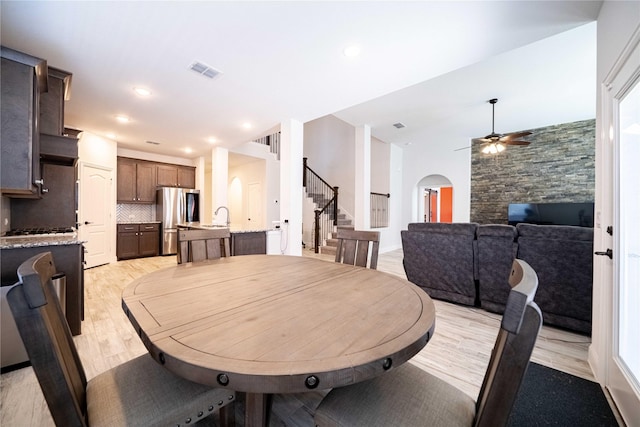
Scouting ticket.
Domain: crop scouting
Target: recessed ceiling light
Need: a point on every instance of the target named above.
(188, 150)
(352, 51)
(140, 91)
(247, 125)
(122, 118)
(111, 135)
(212, 140)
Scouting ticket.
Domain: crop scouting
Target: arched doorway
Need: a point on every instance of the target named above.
(435, 199)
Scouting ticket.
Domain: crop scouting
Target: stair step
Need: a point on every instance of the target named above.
(331, 242)
(328, 250)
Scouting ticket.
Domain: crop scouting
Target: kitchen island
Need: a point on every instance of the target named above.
(245, 242)
(68, 254)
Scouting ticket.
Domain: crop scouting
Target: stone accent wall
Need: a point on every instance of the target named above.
(558, 166)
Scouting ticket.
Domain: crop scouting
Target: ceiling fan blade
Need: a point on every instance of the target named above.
(516, 142)
(481, 140)
(514, 135)
(462, 148)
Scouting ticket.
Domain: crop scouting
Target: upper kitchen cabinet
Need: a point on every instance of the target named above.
(176, 176)
(136, 181)
(23, 79)
(186, 177)
(52, 102)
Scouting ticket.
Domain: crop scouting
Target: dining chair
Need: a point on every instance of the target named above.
(353, 247)
(139, 392)
(409, 396)
(200, 245)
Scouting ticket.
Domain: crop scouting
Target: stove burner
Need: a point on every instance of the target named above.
(39, 231)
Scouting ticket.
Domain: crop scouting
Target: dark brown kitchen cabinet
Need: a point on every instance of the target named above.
(52, 102)
(138, 240)
(248, 243)
(175, 176)
(186, 177)
(136, 181)
(23, 79)
(68, 259)
(167, 175)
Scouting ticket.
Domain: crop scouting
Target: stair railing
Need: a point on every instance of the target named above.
(273, 141)
(379, 209)
(326, 199)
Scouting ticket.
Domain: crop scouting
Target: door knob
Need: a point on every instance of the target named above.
(608, 253)
(87, 223)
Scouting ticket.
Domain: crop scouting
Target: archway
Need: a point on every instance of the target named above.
(435, 199)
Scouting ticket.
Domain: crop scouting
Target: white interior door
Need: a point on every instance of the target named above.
(96, 186)
(622, 121)
(254, 213)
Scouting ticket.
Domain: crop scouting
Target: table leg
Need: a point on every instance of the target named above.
(228, 415)
(257, 409)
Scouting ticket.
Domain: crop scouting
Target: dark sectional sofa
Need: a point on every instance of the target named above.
(468, 263)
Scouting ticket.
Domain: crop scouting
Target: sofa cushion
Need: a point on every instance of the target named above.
(496, 250)
(555, 232)
(441, 260)
(464, 228)
(562, 256)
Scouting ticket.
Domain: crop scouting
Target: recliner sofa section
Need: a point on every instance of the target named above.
(467, 263)
(562, 256)
(440, 258)
(497, 248)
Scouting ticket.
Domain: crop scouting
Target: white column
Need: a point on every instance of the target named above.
(362, 209)
(291, 145)
(219, 178)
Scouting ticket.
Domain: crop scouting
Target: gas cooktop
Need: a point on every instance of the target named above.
(40, 231)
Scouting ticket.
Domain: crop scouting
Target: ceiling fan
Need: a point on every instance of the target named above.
(495, 142)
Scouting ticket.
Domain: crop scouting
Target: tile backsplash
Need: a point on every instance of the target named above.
(135, 213)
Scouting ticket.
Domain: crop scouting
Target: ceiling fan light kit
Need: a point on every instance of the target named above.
(493, 148)
(495, 143)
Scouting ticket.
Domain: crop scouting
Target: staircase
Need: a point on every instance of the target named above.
(330, 243)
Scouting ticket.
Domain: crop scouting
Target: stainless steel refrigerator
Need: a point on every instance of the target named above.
(175, 206)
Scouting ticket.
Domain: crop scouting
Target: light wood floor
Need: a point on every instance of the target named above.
(458, 352)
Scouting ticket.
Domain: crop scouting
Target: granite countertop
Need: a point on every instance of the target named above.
(139, 222)
(218, 227)
(36, 241)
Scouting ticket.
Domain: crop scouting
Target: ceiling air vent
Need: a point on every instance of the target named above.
(205, 70)
(399, 125)
(153, 143)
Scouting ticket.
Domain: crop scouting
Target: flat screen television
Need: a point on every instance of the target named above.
(579, 214)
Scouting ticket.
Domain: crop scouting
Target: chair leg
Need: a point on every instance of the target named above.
(228, 415)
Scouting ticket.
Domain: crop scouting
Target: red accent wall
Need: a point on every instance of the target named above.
(446, 204)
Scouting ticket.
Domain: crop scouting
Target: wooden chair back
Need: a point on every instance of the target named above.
(47, 339)
(353, 247)
(200, 245)
(516, 339)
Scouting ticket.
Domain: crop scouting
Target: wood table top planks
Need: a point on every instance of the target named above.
(278, 324)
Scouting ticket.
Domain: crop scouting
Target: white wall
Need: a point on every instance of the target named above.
(390, 237)
(329, 145)
(330, 149)
(271, 187)
(436, 156)
(380, 166)
(247, 173)
(143, 155)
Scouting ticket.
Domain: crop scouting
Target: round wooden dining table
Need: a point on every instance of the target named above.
(264, 324)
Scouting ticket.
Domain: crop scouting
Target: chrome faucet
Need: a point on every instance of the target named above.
(228, 217)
